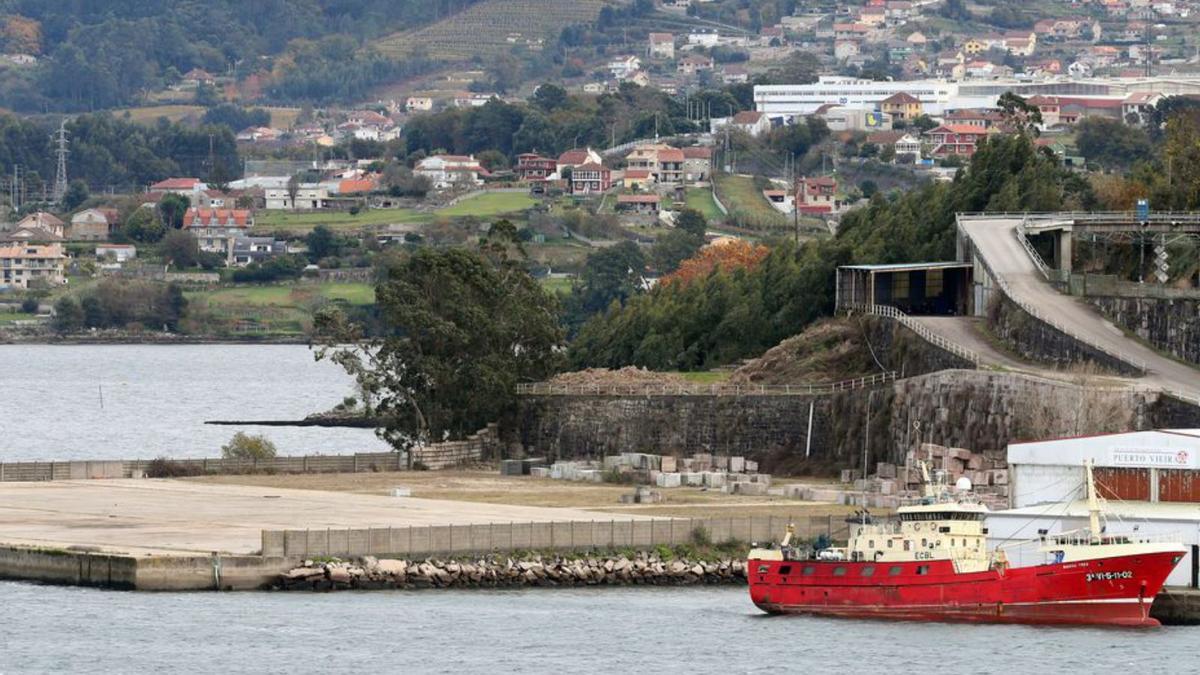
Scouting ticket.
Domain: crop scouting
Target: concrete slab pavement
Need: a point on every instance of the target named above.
(176, 517)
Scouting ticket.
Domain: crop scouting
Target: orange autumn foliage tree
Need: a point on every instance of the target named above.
(731, 256)
(20, 35)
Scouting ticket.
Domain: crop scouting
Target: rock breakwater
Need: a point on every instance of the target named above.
(644, 568)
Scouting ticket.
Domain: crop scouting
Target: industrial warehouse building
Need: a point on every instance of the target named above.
(1150, 479)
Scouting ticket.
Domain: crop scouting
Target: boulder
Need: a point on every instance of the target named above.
(393, 567)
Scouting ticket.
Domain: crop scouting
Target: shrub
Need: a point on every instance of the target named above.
(700, 537)
(162, 467)
(245, 446)
(29, 306)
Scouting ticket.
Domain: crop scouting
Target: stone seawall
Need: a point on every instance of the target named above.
(979, 410)
(1171, 325)
(642, 568)
(1041, 342)
(567, 427)
(771, 429)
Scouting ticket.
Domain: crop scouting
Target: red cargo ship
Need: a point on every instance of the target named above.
(932, 564)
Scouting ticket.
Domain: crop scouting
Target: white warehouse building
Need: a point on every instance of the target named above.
(791, 100)
(1150, 481)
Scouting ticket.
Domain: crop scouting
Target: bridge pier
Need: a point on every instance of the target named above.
(1063, 251)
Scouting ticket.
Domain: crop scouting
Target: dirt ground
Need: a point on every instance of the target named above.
(490, 487)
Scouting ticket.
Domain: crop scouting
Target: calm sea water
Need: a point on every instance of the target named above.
(145, 401)
(51, 629)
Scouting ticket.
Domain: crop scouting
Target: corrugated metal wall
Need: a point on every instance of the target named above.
(1127, 484)
(1178, 485)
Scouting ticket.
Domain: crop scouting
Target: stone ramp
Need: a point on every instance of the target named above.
(995, 241)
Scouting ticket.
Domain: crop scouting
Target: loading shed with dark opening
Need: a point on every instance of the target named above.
(938, 288)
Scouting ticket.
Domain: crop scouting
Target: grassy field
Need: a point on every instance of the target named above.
(303, 222)
(747, 206)
(489, 204)
(483, 206)
(149, 114)
(493, 27)
(701, 200)
(489, 487)
(706, 377)
(285, 296)
(554, 285)
(276, 309)
(9, 317)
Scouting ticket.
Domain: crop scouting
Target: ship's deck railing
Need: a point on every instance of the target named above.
(1085, 538)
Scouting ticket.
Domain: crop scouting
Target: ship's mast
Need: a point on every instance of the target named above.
(1093, 501)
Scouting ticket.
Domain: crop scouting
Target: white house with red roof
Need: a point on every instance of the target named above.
(578, 157)
(752, 122)
(662, 46)
(447, 171)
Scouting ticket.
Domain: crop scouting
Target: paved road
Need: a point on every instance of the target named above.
(996, 241)
(964, 331)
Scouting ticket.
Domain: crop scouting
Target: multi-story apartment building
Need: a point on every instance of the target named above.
(23, 265)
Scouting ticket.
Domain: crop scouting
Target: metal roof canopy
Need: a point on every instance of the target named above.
(907, 267)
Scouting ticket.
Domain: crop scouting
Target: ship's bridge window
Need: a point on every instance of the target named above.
(894, 571)
(868, 571)
(785, 570)
(809, 570)
(839, 571)
(922, 569)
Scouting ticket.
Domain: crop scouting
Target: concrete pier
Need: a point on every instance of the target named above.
(179, 535)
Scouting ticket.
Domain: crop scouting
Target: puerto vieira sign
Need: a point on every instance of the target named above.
(1143, 457)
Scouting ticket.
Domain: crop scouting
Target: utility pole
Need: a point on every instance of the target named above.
(15, 189)
(212, 163)
(60, 175)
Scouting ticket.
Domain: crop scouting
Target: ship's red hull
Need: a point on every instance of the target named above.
(1109, 591)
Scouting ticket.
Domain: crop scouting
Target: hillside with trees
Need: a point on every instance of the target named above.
(294, 49)
(731, 314)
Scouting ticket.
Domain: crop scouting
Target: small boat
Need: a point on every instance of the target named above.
(931, 563)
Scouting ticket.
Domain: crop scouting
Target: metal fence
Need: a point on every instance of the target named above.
(421, 541)
(920, 329)
(551, 389)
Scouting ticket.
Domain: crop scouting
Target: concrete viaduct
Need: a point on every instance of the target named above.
(1004, 266)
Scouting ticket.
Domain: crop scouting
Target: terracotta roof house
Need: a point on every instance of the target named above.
(579, 157)
(901, 106)
(44, 221)
(215, 229)
(179, 185)
(590, 177)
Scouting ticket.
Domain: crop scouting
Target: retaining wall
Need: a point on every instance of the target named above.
(67, 567)
(771, 428)
(1171, 325)
(1041, 342)
(481, 445)
(975, 409)
(440, 540)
